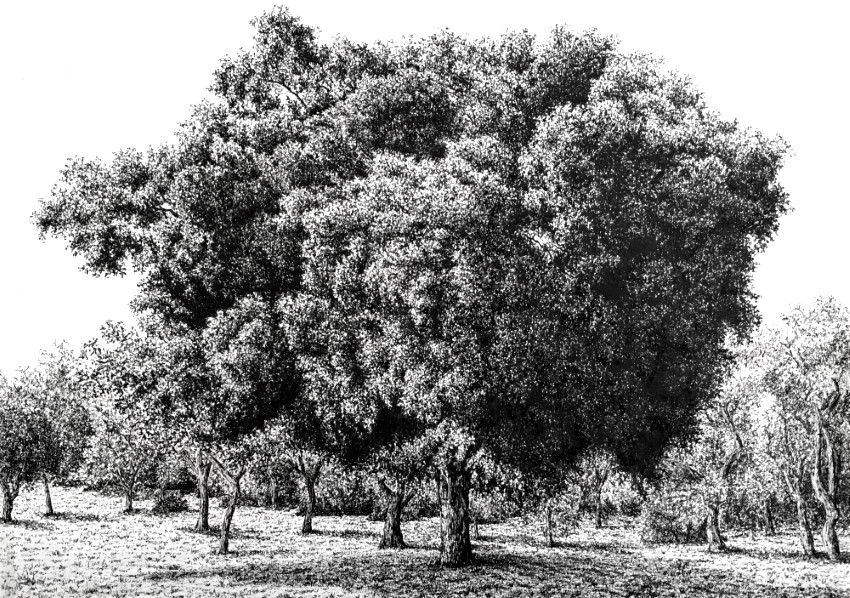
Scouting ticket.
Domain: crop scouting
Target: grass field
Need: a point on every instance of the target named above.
(92, 549)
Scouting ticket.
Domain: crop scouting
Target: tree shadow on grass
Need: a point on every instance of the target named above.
(27, 524)
(75, 517)
(494, 572)
(345, 533)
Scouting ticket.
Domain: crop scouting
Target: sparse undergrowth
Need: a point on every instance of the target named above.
(95, 550)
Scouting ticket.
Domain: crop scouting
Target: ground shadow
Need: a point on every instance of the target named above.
(573, 572)
(27, 524)
(71, 516)
(346, 533)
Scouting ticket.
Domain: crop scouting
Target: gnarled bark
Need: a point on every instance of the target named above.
(793, 476)
(234, 491)
(129, 495)
(9, 494)
(804, 528)
(311, 477)
(396, 500)
(548, 529)
(455, 545)
(227, 519)
(825, 458)
(712, 528)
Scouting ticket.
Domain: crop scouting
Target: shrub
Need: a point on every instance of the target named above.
(672, 517)
(169, 502)
(344, 491)
(492, 506)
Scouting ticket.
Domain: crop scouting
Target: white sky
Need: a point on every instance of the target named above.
(87, 78)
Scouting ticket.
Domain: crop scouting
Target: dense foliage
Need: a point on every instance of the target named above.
(509, 247)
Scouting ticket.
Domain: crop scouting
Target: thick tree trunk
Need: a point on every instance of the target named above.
(8, 501)
(455, 545)
(712, 528)
(48, 501)
(227, 519)
(767, 517)
(392, 536)
(128, 499)
(805, 529)
(310, 505)
(202, 476)
(550, 535)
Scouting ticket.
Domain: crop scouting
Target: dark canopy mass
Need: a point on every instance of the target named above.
(519, 245)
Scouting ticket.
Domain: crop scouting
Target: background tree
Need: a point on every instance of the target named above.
(55, 388)
(23, 429)
(595, 467)
(809, 374)
(398, 470)
(129, 436)
(219, 385)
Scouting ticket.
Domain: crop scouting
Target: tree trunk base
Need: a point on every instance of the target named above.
(456, 547)
(48, 500)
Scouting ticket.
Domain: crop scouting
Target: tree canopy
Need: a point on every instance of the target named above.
(521, 245)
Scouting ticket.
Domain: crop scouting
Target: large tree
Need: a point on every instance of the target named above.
(525, 246)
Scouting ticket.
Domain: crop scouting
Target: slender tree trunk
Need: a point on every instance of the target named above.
(48, 501)
(767, 517)
(826, 493)
(310, 505)
(829, 535)
(227, 519)
(805, 529)
(550, 535)
(8, 501)
(598, 507)
(455, 545)
(202, 476)
(232, 500)
(129, 495)
(273, 494)
(712, 528)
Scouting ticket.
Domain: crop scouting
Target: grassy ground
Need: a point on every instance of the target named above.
(92, 549)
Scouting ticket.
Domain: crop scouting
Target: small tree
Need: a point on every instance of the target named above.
(397, 469)
(23, 431)
(55, 388)
(124, 450)
(596, 467)
(218, 386)
(715, 464)
(129, 438)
